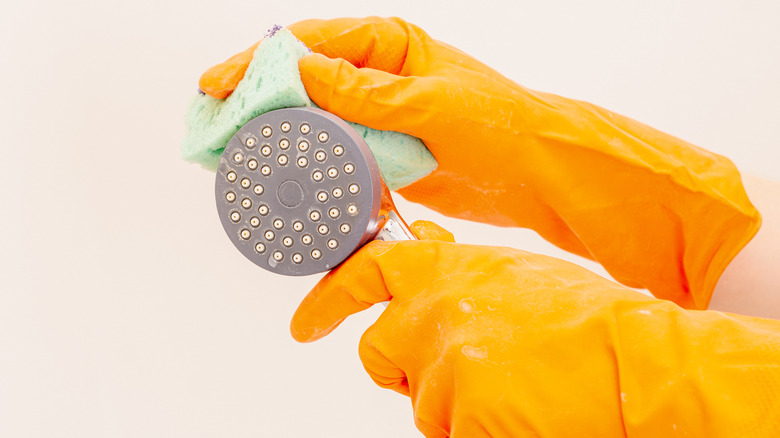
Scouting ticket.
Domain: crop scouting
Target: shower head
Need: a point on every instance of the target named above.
(298, 191)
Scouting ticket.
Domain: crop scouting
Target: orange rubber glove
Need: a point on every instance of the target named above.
(491, 341)
(655, 211)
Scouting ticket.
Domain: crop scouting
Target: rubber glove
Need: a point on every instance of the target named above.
(497, 342)
(655, 211)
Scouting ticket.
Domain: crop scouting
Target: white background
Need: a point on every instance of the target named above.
(126, 312)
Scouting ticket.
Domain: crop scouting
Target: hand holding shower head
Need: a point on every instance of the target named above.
(298, 191)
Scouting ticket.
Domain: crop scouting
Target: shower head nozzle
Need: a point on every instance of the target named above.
(298, 191)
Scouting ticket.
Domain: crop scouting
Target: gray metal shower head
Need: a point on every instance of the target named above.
(298, 191)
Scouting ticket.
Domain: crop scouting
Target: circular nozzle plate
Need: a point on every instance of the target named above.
(297, 191)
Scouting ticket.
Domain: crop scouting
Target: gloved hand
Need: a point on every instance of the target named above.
(655, 211)
(497, 342)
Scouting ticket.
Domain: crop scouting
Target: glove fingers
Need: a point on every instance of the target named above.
(383, 337)
(373, 42)
(427, 230)
(381, 370)
(379, 43)
(355, 285)
(368, 96)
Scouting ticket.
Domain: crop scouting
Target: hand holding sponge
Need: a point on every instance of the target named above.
(271, 81)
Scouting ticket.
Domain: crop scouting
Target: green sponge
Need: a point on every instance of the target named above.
(272, 81)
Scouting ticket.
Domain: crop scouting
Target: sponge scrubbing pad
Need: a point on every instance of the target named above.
(272, 81)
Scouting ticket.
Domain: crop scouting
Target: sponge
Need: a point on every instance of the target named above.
(272, 81)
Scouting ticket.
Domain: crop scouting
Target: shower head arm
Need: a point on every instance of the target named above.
(390, 225)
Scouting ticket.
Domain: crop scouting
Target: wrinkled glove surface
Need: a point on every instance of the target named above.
(497, 342)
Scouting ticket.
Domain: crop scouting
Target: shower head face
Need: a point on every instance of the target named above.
(298, 191)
